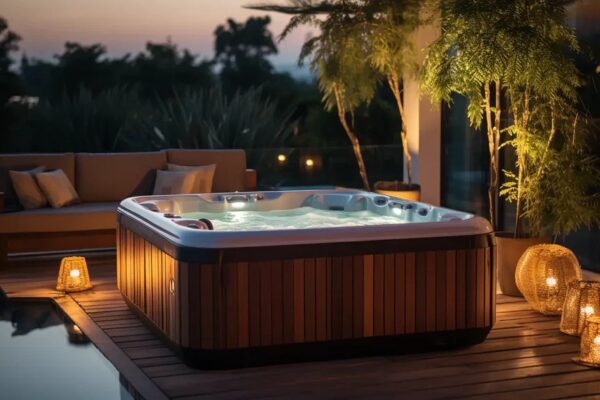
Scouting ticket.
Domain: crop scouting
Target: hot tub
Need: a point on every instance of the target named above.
(304, 275)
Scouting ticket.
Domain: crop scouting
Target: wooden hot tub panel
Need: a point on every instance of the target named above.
(274, 303)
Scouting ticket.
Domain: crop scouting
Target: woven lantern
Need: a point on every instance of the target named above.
(73, 275)
(590, 343)
(582, 302)
(543, 274)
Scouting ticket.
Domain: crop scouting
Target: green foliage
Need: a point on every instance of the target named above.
(119, 120)
(559, 189)
(83, 122)
(517, 50)
(210, 119)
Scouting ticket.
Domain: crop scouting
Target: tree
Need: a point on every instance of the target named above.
(508, 59)
(339, 55)
(392, 53)
(469, 58)
(242, 50)
(163, 69)
(10, 83)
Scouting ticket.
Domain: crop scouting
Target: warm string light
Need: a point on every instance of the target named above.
(281, 158)
(309, 163)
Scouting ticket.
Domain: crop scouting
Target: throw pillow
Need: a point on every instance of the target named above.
(57, 188)
(174, 182)
(28, 191)
(204, 175)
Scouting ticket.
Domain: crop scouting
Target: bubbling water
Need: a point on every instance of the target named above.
(297, 218)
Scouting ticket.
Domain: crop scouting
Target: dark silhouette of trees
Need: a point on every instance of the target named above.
(242, 49)
(10, 83)
(162, 69)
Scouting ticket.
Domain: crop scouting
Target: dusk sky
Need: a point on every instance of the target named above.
(124, 26)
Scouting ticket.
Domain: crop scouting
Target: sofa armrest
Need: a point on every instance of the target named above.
(250, 179)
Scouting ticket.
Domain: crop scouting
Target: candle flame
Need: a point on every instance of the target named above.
(588, 310)
(74, 273)
(551, 281)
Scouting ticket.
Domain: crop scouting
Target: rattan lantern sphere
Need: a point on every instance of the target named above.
(582, 302)
(73, 275)
(543, 274)
(590, 343)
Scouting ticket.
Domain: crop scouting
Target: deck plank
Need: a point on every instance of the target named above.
(525, 355)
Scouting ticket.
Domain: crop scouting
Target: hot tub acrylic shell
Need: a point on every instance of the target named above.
(230, 299)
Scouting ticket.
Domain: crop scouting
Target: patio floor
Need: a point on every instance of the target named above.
(525, 355)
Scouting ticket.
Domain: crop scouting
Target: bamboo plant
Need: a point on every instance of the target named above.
(469, 58)
(509, 59)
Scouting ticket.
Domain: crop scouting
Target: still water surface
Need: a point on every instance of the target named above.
(43, 355)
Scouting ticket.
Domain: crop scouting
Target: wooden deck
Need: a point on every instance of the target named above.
(525, 355)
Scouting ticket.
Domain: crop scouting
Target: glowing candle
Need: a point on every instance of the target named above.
(551, 281)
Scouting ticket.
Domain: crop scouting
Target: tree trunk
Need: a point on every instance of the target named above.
(353, 139)
(394, 83)
(492, 184)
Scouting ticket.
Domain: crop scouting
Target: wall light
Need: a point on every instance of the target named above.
(543, 274)
(73, 275)
(581, 303)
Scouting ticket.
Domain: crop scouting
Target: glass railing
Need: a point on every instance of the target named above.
(328, 166)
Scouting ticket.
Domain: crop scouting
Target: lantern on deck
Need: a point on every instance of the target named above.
(581, 303)
(543, 274)
(73, 275)
(590, 343)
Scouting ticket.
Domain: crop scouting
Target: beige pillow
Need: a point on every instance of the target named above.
(58, 189)
(204, 176)
(174, 182)
(27, 189)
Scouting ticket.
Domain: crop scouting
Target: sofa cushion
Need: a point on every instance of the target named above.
(174, 182)
(58, 189)
(80, 217)
(115, 176)
(28, 191)
(230, 170)
(23, 162)
(204, 176)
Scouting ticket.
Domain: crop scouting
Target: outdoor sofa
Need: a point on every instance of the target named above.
(101, 180)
